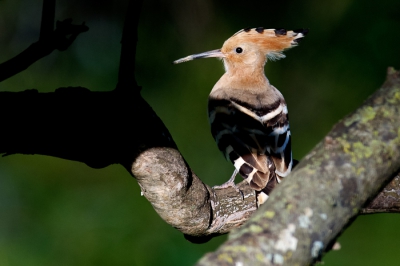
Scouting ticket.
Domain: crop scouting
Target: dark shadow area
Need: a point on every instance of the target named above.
(97, 128)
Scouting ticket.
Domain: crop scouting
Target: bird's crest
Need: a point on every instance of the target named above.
(272, 42)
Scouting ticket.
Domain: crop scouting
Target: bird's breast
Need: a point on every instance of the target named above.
(258, 100)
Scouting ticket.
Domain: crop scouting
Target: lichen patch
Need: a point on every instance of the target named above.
(286, 239)
(278, 259)
(269, 214)
(304, 219)
(323, 216)
(367, 113)
(316, 249)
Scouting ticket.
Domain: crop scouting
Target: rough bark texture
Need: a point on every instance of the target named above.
(388, 200)
(312, 206)
(184, 201)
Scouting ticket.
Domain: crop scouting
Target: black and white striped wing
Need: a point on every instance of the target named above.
(256, 141)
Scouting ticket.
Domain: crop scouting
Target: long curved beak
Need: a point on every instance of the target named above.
(213, 53)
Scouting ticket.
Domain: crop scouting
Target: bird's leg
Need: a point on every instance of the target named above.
(229, 183)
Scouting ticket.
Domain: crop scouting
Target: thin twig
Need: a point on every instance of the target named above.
(60, 38)
(48, 15)
(126, 76)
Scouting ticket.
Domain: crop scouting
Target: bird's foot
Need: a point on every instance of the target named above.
(230, 183)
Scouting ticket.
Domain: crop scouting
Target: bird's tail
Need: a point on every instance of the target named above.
(259, 172)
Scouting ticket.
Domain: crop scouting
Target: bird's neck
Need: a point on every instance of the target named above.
(249, 86)
(245, 77)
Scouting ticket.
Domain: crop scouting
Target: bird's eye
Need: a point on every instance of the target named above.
(239, 50)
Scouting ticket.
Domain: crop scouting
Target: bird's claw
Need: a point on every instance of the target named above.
(229, 184)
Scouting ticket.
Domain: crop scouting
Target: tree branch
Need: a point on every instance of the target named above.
(48, 14)
(184, 201)
(60, 38)
(126, 77)
(388, 200)
(312, 206)
(81, 119)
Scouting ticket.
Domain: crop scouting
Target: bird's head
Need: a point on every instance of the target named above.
(252, 47)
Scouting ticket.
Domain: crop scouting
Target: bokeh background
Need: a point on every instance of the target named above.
(59, 212)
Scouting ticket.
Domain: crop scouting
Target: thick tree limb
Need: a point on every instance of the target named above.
(312, 206)
(184, 201)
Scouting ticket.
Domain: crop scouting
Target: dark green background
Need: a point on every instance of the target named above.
(59, 212)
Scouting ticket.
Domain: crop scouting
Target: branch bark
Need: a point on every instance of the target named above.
(388, 200)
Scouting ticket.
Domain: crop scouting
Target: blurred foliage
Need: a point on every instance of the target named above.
(58, 212)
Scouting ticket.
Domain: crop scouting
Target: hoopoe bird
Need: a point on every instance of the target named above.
(248, 116)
